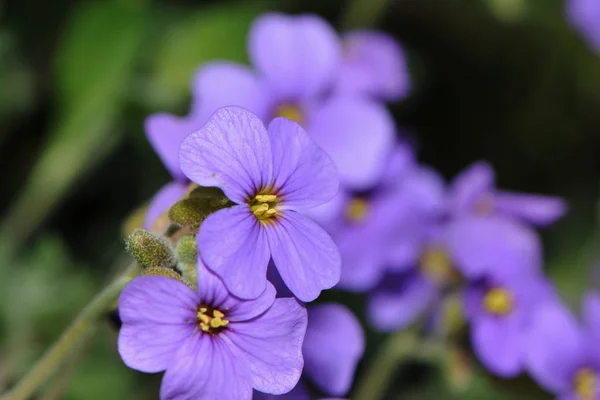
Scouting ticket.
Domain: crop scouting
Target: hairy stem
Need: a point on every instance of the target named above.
(81, 327)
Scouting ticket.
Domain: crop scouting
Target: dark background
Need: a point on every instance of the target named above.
(508, 81)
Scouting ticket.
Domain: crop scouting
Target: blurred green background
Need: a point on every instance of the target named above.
(504, 80)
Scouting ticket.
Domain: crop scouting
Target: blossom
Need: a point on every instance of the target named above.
(211, 344)
(333, 345)
(499, 311)
(584, 16)
(562, 355)
(269, 175)
(469, 249)
(373, 63)
(473, 192)
(295, 62)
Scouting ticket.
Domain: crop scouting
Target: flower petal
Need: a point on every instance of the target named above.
(554, 346)
(272, 344)
(155, 312)
(297, 55)
(584, 15)
(207, 368)
(468, 187)
(165, 133)
(358, 135)
(400, 300)
(232, 244)
(304, 174)
(373, 64)
(221, 84)
(231, 151)
(304, 254)
(591, 313)
(298, 393)
(535, 209)
(168, 195)
(333, 346)
(499, 344)
(493, 245)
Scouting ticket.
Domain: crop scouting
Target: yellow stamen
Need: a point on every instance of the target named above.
(357, 210)
(291, 112)
(586, 384)
(264, 206)
(211, 320)
(437, 265)
(498, 301)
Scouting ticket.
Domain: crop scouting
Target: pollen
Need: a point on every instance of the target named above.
(290, 111)
(586, 384)
(357, 210)
(264, 206)
(211, 320)
(498, 301)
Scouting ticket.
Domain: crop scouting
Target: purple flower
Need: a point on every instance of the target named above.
(296, 59)
(473, 192)
(563, 355)
(373, 63)
(468, 248)
(269, 174)
(333, 345)
(584, 16)
(211, 344)
(499, 311)
(371, 228)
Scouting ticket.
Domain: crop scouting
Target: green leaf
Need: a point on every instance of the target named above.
(94, 65)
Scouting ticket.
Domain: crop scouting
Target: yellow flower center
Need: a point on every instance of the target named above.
(290, 111)
(498, 301)
(264, 206)
(586, 384)
(211, 320)
(437, 265)
(357, 210)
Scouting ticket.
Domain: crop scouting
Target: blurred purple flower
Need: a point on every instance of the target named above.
(499, 311)
(333, 345)
(212, 345)
(296, 59)
(584, 16)
(270, 175)
(563, 356)
(373, 63)
(473, 192)
(467, 248)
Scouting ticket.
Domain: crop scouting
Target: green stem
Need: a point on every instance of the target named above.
(81, 327)
(362, 13)
(374, 384)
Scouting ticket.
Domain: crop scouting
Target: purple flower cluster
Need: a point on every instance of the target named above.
(322, 193)
(278, 138)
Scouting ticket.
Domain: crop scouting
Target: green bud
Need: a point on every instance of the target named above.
(187, 250)
(167, 272)
(192, 211)
(189, 272)
(150, 250)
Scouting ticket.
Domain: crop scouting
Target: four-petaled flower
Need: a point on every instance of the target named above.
(270, 175)
(211, 344)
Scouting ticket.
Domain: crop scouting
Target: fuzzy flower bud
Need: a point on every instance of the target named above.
(150, 250)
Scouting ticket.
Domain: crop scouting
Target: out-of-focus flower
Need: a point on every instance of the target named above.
(563, 355)
(373, 63)
(211, 344)
(584, 16)
(473, 192)
(499, 311)
(269, 175)
(333, 345)
(468, 248)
